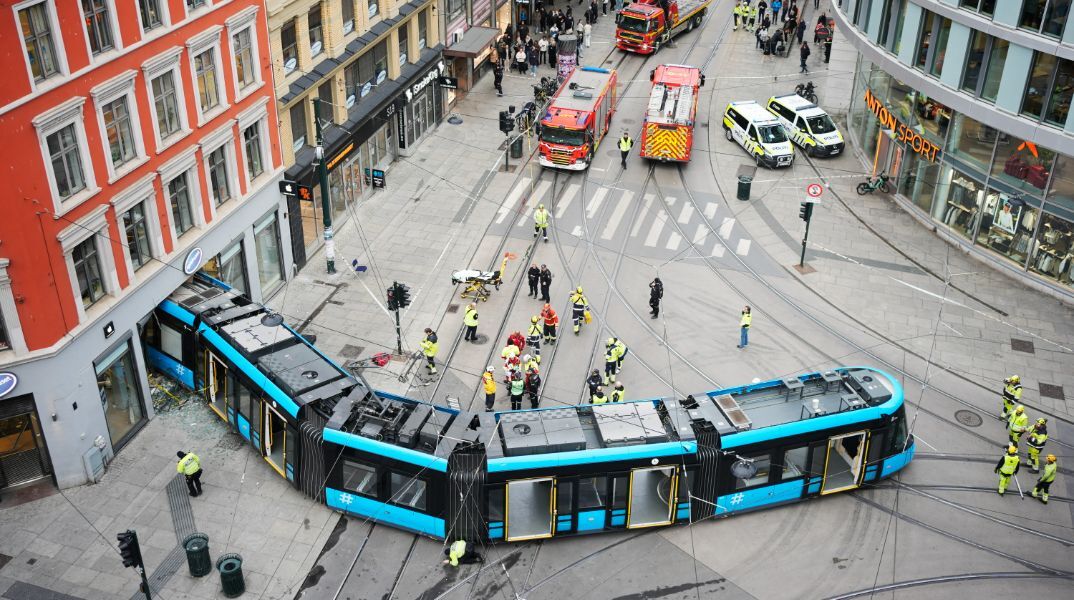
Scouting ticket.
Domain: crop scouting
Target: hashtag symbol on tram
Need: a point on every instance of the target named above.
(346, 499)
(736, 499)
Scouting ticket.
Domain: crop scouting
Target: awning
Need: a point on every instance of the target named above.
(475, 41)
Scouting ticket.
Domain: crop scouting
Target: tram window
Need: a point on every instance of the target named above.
(171, 342)
(898, 433)
(496, 503)
(877, 444)
(564, 497)
(592, 492)
(763, 462)
(360, 478)
(816, 462)
(408, 491)
(244, 399)
(794, 462)
(620, 491)
(684, 484)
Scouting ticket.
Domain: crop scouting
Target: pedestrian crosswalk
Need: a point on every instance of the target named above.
(670, 225)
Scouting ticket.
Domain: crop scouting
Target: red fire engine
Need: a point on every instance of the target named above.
(577, 119)
(646, 25)
(668, 133)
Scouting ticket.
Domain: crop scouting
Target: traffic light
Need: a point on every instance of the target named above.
(128, 548)
(402, 294)
(507, 124)
(393, 304)
(805, 211)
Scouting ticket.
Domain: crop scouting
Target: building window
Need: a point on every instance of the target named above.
(194, 4)
(1046, 16)
(454, 7)
(121, 394)
(324, 94)
(245, 67)
(997, 58)
(149, 10)
(975, 58)
(939, 49)
(348, 16)
(230, 267)
(98, 25)
(891, 22)
(166, 105)
(37, 39)
(1048, 93)
(369, 70)
(5, 341)
(205, 72)
(982, 6)
(404, 44)
(267, 244)
(118, 131)
(924, 40)
(289, 43)
(316, 31)
(88, 271)
(66, 161)
(251, 139)
(423, 32)
(134, 224)
(373, 8)
(179, 196)
(298, 125)
(219, 186)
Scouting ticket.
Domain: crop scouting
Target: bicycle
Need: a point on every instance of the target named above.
(806, 91)
(880, 182)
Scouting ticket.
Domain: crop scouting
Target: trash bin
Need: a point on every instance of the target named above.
(745, 180)
(230, 567)
(516, 147)
(197, 554)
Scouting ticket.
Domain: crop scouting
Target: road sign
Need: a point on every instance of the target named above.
(814, 190)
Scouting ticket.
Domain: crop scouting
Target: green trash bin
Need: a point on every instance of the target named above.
(230, 567)
(197, 554)
(516, 147)
(745, 181)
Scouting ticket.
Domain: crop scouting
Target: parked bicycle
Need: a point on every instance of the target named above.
(880, 182)
(544, 90)
(806, 91)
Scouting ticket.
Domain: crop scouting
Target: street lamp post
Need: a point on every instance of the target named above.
(326, 202)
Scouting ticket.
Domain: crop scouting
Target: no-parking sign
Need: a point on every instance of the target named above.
(814, 190)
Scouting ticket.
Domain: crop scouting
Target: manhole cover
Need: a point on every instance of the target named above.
(1022, 346)
(968, 418)
(1049, 390)
(453, 308)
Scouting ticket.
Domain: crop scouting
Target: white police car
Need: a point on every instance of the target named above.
(807, 124)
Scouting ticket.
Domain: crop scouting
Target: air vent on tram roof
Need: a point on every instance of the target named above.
(734, 413)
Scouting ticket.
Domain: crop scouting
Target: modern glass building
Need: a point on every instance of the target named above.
(967, 104)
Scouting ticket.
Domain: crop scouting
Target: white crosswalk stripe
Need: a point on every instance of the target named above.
(743, 247)
(673, 241)
(717, 250)
(617, 215)
(565, 200)
(641, 216)
(594, 204)
(535, 198)
(710, 210)
(725, 228)
(657, 227)
(700, 234)
(512, 197)
(577, 231)
(684, 214)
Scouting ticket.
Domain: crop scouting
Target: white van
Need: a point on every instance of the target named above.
(807, 124)
(759, 133)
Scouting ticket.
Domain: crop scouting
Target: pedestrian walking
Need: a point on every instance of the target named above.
(609, 363)
(803, 51)
(190, 466)
(488, 380)
(598, 397)
(533, 336)
(736, 15)
(801, 30)
(540, 222)
(1007, 467)
(587, 35)
(1044, 482)
(553, 58)
(469, 319)
(751, 21)
(518, 386)
(457, 553)
(619, 392)
(579, 309)
(533, 277)
(776, 6)
(625, 144)
(821, 30)
(762, 39)
(593, 381)
(744, 327)
(828, 48)
(1017, 424)
(497, 77)
(604, 6)
(551, 322)
(533, 387)
(1038, 436)
(816, 4)
(656, 293)
(429, 346)
(1012, 395)
(546, 283)
(792, 12)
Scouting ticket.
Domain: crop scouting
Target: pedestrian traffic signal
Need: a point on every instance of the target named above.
(393, 304)
(805, 211)
(128, 548)
(507, 124)
(402, 294)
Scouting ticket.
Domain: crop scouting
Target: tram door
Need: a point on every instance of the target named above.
(275, 439)
(843, 467)
(652, 497)
(531, 511)
(216, 390)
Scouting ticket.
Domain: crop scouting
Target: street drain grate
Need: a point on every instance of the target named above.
(1049, 390)
(968, 418)
(1022, 346)
(453, 308)
(351, 351)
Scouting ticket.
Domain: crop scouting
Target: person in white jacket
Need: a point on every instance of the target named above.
(587, 34)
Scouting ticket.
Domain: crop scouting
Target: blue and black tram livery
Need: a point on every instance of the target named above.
(529, 474)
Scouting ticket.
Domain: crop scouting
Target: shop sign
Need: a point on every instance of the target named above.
(379, 179)
(339, 156)
(401, 128)
(8, 381)
(902, 132)
(450, 83)
(192, 262)
(421, 84)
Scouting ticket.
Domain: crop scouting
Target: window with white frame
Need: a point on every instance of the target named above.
(251, 143)
(167, 106)
(219, 182)
(242, 32)
(205, 63)
(205, 73)
(179, 197)
(253, 126)
(11, 337)
(37, 25)
(119, 132)
(137, 233)
(117, 114)
(87, 252)
(151, 13)
(245, 67)
(5, 341)
(139, 224)
(98, 23)
(88, 272)
(194, 4)
(62, 136)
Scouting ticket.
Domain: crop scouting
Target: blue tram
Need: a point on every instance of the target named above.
(531, 474)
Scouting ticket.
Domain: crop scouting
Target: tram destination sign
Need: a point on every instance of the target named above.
(903, 132)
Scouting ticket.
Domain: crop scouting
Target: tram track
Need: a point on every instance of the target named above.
(912, 583)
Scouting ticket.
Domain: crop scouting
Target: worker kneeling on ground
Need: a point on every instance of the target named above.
(458, 552)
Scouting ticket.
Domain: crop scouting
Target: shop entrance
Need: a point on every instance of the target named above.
(23, 457)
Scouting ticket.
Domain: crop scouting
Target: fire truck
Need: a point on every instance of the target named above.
(577, 119)
(645, 26)
(668, 133)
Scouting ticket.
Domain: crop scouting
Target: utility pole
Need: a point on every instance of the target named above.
(326, 202)
(805, 212)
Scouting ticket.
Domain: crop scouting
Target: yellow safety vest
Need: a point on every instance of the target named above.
(1010, 464)
(540, 216)
(599, 398)
(1037, 439)
(1049, 472)
(625, 144)
(490, 383)
(747, 318)
(428, 347)
(1013, 390)
(609, 355)
(1017, 423)
(579, 300)
(189, 464)
(470, 318)
(619, 349)
(535, 329)
(457, 550)
(617, 395)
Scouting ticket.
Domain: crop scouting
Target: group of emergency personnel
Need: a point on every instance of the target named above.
(1036, 436)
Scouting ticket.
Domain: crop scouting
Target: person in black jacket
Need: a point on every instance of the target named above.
(804, 53)
(546, 283)
(656, 292)
(533, 276)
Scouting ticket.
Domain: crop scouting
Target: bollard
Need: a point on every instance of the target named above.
(230, 567)
(745, 179)
(197, 554)
(516, 147)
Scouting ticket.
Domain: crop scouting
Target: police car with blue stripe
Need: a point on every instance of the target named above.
(807, 124)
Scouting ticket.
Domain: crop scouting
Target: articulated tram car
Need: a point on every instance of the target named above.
(530, 474)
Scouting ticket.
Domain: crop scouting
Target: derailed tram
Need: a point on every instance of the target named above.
(529, 474)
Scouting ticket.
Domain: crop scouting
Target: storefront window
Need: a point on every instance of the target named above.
(267, 243)
(918, 180)
(121, 393)
(312, 221)
(972, 141)
(1061, 190)
(1023, 165)
(962, 198)
(1007, 225)
(1053, 252)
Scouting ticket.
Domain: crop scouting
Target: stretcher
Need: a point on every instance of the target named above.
(476, 283)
